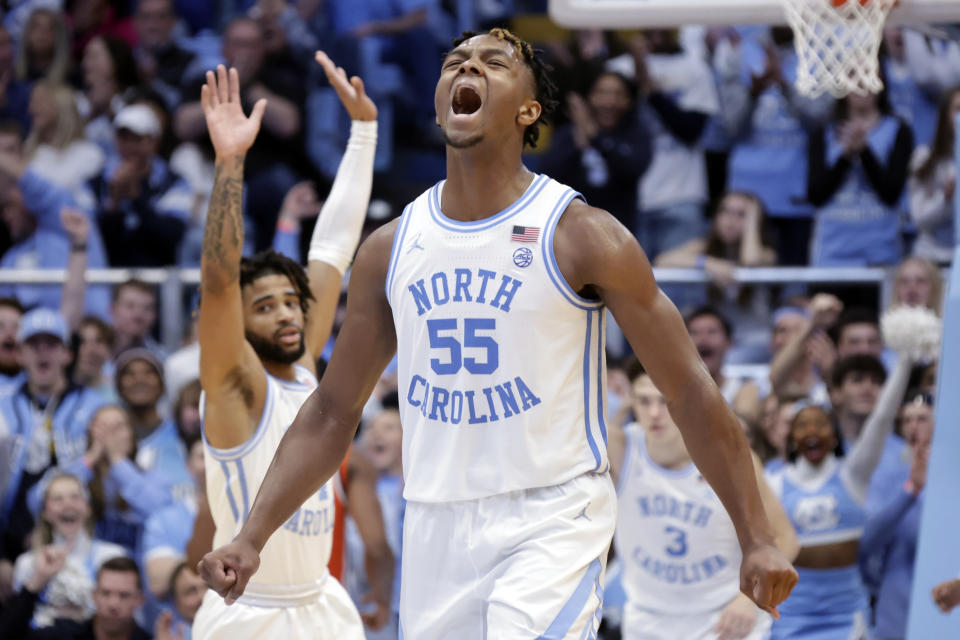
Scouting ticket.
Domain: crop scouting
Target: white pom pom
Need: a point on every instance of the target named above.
(912, 331)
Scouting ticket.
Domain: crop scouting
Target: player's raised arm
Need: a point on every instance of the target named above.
(226, 360)
(598, 256)
(314, 445)
(337, 231)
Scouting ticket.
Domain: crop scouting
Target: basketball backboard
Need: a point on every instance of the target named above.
(632, 14)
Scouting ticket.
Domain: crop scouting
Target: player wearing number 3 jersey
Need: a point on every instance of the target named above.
(491, 288)
(677, 546)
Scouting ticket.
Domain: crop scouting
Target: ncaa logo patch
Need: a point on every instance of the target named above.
(523, 257)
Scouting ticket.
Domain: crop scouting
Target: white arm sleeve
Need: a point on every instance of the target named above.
(337, 232)
(865, 454)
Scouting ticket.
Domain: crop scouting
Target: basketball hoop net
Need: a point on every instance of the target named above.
(837, 43)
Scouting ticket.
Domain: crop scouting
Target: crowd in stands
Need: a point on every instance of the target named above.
(693, 138)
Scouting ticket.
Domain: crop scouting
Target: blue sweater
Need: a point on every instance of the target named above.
(892, 532)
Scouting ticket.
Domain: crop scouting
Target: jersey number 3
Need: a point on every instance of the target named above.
(444, 334)
(678, 546)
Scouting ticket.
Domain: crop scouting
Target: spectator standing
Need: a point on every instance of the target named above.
(769, 122)
(33, 211)
(735, 239)
(803, 353)
(64, 525)
(893, 530)
(934, 63)
(712, 335)
(186, 410)
(823, 489)
(55, 148)
(856, 382)
(11, 374)
(857, 331)
(14, 93)
(933, 181)
(168, 530)
(267, 177)
(580, 61)
(46, 416)
(857, 171)
(140, 387)
(603, 151)
(122, 495)
(93, 344)
(915, 104)
(99, 18)
(109, 70)
(680, 96)
(770, 440)
(144, 206)
(134, 314)
(917, 283)
(44, 51)
(163, 64)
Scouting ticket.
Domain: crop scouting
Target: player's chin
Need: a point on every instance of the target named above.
(462, 135)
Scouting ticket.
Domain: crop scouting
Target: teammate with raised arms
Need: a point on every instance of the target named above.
(263, 323)
(491, 289)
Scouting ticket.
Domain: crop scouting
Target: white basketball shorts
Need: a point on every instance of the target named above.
(641, 624)
(526, 564)
(330, 615)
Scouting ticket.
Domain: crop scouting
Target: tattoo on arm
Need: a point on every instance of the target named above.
(223, 236)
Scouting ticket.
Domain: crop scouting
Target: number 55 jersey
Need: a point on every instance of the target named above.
(500, 363)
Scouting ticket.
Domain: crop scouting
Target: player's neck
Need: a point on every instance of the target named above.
(851, 424)
(482, 181)
(280, 370)
(669, 455)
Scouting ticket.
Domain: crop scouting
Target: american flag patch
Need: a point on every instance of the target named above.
(524, 234)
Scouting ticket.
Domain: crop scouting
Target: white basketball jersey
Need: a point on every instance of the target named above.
(296, 555)
(677, 544)
(500, 363)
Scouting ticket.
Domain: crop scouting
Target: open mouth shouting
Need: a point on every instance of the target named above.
(466, 101)
(813, 448)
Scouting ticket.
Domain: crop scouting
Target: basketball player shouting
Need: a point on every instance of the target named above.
(491, 288)
(263, 323)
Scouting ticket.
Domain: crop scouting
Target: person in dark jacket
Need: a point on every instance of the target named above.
(117, 595)
(604, 150)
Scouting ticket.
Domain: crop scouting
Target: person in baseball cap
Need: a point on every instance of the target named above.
(140, 386)
(49, 415)
(144, 206)
(138, 119)
(43, 352)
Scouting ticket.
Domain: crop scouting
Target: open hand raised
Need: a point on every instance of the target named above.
(351, 92)
(231, 132)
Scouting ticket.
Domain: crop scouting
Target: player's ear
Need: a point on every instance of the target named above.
(529, 113)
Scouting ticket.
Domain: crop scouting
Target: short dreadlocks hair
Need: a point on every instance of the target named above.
(269, 262)
(546, 89)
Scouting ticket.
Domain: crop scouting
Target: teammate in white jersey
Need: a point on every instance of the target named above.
(263, 323)
(491, 289)
(678, 548)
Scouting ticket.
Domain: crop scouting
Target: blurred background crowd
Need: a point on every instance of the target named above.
(694, 138)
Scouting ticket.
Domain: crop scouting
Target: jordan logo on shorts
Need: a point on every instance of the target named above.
(583, 514)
